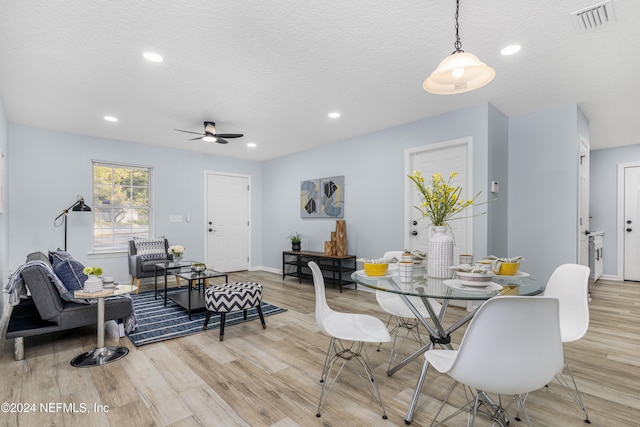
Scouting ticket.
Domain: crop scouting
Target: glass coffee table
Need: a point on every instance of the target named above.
(197, 280)
(167, 266)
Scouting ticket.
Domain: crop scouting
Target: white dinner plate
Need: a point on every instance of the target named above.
(363, 274)
(457, 285)
(518, 274)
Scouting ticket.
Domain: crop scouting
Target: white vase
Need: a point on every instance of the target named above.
(440, 253)
(93, 284)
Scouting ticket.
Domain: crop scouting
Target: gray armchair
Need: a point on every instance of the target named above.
(139, 269)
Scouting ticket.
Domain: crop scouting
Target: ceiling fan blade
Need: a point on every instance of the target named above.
(229, 135)
(220, 140)
(188, 131)
(193, 139)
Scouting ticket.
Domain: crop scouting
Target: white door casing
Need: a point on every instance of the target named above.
(445, 158)
(583, 202)
(227, 221)
(631, 224)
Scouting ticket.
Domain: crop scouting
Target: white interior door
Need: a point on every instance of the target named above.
(445, 158)
(632, 223)
(583, 203)
(227, 217)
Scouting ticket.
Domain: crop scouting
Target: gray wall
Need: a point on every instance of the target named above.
(4, 218)
(498, 161)
(373, 166)
(49, 169)
(543, 188)
(603, 201)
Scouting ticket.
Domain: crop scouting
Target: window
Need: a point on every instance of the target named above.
(121, 204)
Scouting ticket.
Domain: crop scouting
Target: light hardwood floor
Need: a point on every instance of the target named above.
(271, 377)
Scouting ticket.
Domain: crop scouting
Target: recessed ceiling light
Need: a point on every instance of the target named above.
(111, 118)
(510, 50)
(153, 57)
(251, 144)
(334, 115)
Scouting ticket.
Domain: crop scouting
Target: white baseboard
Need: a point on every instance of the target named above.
(611, 277)
(264, 268)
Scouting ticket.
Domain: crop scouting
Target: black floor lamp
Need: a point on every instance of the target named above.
(77, 206)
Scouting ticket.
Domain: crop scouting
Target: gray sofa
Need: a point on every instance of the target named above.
(46, 312)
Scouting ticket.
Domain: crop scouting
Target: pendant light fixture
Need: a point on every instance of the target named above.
(459, 72)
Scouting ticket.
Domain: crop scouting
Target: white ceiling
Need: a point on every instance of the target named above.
(273, 70)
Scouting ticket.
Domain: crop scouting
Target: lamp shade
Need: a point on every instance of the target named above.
(458, 73)
(80, 206)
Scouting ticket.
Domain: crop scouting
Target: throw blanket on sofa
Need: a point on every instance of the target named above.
(16, 290)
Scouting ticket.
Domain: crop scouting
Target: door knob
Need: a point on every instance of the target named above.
(210, 223)
(628, 221)
(587, 232)
(211, 230)
(414, 233)
(628, 229)
(414, 222)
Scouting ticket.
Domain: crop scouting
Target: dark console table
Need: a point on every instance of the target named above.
(336, 270)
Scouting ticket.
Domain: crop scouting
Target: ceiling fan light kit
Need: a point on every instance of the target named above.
(459, 72)
(211, 135)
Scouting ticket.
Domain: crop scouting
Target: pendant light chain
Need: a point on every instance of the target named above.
(458, 43)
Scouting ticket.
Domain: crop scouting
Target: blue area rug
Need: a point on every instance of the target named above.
(158, 323)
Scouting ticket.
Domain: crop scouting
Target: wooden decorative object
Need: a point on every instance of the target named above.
(327, 248)
(334, 243)
(341, 237)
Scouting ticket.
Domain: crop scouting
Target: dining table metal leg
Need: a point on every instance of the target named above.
(418, 390)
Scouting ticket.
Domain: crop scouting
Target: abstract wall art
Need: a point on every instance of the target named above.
(309, 197)
(322, 198)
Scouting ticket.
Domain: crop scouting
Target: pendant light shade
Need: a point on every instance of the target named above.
(459, 72)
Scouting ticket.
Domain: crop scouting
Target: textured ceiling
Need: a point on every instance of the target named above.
(274, 69)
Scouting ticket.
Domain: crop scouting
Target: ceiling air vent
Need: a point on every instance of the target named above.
(593, 17)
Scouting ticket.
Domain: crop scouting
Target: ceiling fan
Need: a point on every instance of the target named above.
(210, 134)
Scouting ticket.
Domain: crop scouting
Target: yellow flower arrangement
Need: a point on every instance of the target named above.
(96, 271)
(441, 201)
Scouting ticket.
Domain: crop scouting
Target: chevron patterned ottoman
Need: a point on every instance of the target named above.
(230, 297)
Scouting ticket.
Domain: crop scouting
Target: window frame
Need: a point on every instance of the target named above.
(96, 208)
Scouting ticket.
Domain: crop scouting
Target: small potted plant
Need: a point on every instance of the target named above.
(93, 283)
(296, 239)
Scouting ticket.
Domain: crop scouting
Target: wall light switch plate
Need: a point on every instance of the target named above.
(175, 218)
(495, 187)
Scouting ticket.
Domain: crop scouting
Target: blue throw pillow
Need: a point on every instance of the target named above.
(58, 253)
(68, 270)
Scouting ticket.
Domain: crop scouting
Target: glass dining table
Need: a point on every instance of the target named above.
(444, 290)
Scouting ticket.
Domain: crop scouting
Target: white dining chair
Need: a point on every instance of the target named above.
(511, 347)
(569, 283)
(404, 318)
(348, 332)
